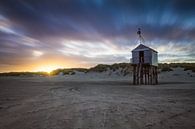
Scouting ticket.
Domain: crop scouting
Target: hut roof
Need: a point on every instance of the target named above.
(142, 47)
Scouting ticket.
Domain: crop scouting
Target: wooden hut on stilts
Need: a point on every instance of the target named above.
(145, 63)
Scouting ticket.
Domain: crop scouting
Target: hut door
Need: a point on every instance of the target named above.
(141, 57)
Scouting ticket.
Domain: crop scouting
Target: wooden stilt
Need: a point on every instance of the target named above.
(145, 74)
(134, 74)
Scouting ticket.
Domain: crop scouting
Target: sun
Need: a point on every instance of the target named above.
(47, 68)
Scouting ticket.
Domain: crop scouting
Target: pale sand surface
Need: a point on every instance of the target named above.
(97, 102)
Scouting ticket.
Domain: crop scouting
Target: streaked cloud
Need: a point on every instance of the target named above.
(5, 25)
(90, 49)
(37, 53)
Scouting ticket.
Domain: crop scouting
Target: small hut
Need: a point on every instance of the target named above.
(145, 63)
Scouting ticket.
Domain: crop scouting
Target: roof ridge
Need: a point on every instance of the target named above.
(140, 45)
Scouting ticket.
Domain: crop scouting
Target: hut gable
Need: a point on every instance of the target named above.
(142, 47)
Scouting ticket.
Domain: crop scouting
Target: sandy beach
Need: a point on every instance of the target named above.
(94, 102)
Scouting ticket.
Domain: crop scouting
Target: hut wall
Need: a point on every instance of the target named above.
(154, 58)
(135, 57)
(147, 57)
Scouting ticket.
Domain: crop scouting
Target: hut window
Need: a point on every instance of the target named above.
(141, 57)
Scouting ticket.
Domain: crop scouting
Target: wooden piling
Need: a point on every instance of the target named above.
(145, 74)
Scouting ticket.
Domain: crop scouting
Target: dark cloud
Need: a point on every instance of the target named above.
(107, 17)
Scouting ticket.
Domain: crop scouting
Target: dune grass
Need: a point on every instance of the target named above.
(125, 69)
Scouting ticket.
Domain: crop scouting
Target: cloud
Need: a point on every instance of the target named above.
(113, 18)
(37, 53)
(93, 51)
(5, 25)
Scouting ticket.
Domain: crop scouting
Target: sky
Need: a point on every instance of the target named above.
(41, 35)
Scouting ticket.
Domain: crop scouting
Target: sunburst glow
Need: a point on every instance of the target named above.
(47, 68)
